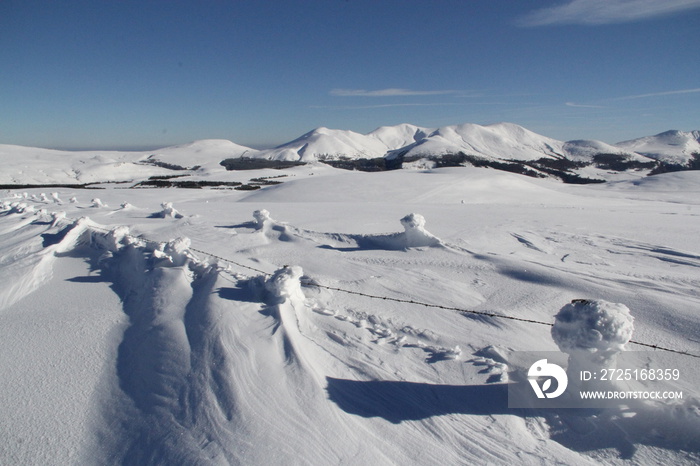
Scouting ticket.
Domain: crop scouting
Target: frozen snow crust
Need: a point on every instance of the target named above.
(128, 337)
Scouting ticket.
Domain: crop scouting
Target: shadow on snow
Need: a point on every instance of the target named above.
(576, 429)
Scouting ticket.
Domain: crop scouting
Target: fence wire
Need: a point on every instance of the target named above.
(403, 301)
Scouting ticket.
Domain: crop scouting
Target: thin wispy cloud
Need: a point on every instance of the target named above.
(598, 12)
(364, 107)
(572, 104)
(391, 92)
(659, 94)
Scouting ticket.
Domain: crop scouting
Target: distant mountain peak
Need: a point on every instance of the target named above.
(672, 146)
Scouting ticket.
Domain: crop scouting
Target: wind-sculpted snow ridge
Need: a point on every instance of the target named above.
(164, 291)
(414, 236)
(33, 250)
(159, 283)
(204, 369)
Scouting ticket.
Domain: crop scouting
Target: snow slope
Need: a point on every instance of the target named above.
(35, 166)
(584, 150)
(670, 146)
(206, 154)
(28, 165)
(505, 141)
(327, 143)
(132, 337)
(399, 136)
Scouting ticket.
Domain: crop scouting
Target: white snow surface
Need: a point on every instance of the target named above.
(670, 146)
(219, 333)
(206, 153)
(584, 150)
(36, 166)
(328, 143)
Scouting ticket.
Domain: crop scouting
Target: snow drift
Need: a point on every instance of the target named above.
(129, 338)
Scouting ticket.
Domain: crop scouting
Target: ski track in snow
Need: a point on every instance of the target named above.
(217, 364)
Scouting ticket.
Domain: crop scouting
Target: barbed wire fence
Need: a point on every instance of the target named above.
(315, 284)
(436, 306)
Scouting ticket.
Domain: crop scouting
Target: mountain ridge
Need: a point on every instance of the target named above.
(503, 141)
(504, 146)
(672, 146)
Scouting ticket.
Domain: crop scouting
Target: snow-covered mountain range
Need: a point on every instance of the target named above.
(503, 141)
(503, 145)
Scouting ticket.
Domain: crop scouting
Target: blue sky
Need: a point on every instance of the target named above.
(145, 74)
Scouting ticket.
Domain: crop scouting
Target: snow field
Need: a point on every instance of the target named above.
(200, 360)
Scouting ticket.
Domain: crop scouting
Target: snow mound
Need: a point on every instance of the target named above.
(57, 217)
(595, 327)
(285, 284)
(168, 211)
(592, 333)
(21, 208)
(113, 240)
(175, 252)
(261, 217)
(416, 236)
(27, 267)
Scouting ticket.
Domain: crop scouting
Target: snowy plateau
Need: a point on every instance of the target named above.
(314, 315)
